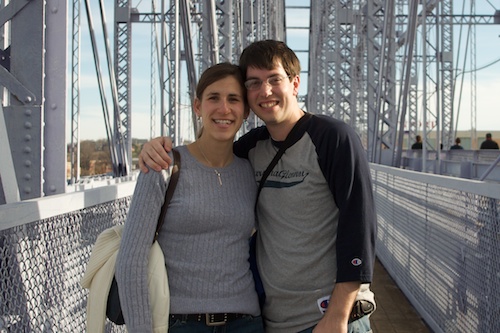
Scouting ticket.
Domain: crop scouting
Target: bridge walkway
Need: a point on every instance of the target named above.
(394, 313)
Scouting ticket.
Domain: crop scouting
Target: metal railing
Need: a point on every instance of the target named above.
(470, 164)
(44, 247)
(438, 237)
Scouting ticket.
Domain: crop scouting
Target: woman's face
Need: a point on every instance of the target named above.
(222, 109)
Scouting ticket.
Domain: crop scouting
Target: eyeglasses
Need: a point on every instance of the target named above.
(274, 81)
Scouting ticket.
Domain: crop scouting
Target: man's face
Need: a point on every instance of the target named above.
(276, 98)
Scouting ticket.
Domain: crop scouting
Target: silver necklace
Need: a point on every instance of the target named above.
(210, 164)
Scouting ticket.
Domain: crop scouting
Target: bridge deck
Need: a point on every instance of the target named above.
(394, 312)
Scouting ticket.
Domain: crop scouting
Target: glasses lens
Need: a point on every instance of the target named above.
(275, 80)
(253, 84)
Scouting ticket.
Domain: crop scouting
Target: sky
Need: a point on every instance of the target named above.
(92, 120)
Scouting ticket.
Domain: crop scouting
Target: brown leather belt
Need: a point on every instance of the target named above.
(210, 319)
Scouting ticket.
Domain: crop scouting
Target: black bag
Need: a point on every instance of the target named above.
(259, 288)
(113, 306)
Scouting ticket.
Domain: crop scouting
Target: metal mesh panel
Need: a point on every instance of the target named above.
(441, 246)
(41, 265)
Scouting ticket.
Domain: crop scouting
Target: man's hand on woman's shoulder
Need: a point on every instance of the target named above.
(154, 154)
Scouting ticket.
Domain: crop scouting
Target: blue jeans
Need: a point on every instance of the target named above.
(247, 324)
(362, 325)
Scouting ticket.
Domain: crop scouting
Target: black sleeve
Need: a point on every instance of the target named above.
(244, 144)
(344, 164)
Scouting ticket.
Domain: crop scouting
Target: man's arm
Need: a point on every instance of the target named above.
(348, 175)
(336, 317)
(154, 153)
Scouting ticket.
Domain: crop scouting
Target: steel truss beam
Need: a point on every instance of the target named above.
(384, 67)
(360, 60)
(35, 104)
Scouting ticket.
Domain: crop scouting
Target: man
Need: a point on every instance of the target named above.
(457, 144)
(316, 214)
(489, 143)
(418, 143)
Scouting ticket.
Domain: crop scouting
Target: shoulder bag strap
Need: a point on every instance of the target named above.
(170, 191)
(292, 137)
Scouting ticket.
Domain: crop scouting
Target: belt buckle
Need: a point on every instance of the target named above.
(210, 320)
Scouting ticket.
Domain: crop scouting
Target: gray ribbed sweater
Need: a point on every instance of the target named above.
(204, 240)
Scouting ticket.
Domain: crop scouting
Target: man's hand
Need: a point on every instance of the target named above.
(154, 153)
(339, 308)
(331, 327)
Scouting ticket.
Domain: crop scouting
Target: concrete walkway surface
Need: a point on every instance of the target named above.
(394, 312)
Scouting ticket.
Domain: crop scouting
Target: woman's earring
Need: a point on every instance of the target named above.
(199, 125)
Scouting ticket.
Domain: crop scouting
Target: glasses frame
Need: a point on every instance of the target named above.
(278, 77)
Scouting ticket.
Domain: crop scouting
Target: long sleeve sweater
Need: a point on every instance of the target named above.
(204, 240)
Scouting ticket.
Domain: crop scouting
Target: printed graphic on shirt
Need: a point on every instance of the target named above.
(323, 303)
(283, 178)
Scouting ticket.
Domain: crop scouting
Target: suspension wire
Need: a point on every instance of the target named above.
(480, 68)
(491, 5)
(104, 103)
(464, 65)
(123, 162)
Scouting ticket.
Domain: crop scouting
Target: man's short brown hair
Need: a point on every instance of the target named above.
(268, 54)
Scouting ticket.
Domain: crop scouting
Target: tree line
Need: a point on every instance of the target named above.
(95, 158)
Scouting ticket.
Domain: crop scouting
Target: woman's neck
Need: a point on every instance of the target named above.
(211, 153)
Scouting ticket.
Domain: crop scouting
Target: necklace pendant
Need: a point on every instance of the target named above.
(218, 176)
(210, 164)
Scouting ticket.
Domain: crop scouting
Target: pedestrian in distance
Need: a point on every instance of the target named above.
(457, 144)
(489, 143)
(418, 143)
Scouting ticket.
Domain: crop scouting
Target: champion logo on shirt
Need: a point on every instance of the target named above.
(323, 303)
(356, 262)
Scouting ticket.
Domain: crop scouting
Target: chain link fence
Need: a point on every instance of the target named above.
(41, 265)
(438, 237)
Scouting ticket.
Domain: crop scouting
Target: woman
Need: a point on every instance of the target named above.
(207, 226)
(457, 144)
